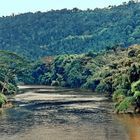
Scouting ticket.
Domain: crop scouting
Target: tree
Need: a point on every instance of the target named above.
(10, 66)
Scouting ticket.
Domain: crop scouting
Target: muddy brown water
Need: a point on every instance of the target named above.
(52, 113)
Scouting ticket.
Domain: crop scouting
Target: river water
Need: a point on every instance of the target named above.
(52, 113)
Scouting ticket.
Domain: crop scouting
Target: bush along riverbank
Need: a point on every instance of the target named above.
(3, 100)
(11, 67)
(114, 72)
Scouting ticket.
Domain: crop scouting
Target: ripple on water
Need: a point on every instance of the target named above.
(64, 117)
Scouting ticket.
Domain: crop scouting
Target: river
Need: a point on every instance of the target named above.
(54, 113)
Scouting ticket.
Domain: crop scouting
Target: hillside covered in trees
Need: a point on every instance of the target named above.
(56, 32)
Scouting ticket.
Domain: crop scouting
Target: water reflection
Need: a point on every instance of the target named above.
(132, 125)
(70, 115)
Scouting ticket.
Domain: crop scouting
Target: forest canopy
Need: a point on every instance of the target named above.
(75, 31)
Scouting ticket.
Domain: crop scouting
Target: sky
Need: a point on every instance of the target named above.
(8, 7)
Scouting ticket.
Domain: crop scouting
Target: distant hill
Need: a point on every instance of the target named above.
(35, 35)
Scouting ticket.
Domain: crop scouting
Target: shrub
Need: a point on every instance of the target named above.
(113, 65)
(121, 82)
(119, 95)
(124, 101)
(60, 79)
(75, 79)
(91, 83)
(3, 99)
(135, 86)
(45, 79)
(11, 89)
(104, 87)
(133, 73)
(125, 104)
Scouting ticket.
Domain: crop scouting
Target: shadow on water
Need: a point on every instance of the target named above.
(85, 117)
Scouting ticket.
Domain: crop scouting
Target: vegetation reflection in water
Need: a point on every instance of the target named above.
(62, 118)
(132, 125)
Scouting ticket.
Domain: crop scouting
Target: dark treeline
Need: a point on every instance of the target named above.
(56, 32)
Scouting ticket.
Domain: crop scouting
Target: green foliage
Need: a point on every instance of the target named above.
(91, 83)
(60, 79)
(125, 104)
(11, 66)
(3, 99)
(73, 31)
(45, 79)
(122, 82)
(74, 78)
(11, 89)
(135, 86)
(134, 73)
(124, 101)
(119, 95)
(105, 86)
(137, 94)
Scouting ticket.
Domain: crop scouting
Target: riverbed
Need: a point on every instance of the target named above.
(54, 113)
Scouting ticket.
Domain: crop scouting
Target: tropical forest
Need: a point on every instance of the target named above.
(71, 74)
